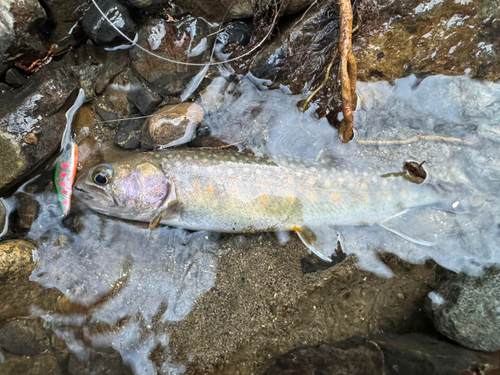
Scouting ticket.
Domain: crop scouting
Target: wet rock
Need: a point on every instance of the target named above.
(3, 216)
(87, 76)
(147, 3)
(15, 78)
(300, 56)
(105, 362)
(439, 37)
(37, 108)
(43, 363)
(354, 356)
(128, 135)
(467, 309)
(26, 211)
(143, 98)
(215, 10)
(239, 32)
(183, 41)
(421, 354)
(17, 293)
(388, 354)
(63, 16)
(111, 62)
(24, 336)
(98, 28)
(171, 126)
(19, 20)
(4, 87)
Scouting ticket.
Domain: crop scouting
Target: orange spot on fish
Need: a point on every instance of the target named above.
(290, 180)
(264, 197)
(210, 189)
(234, 190)
(336, 197)
(367, 199)
(313, 197)
(353, 197)
(403, 193)
(311, 182)
(292, 199)
(302, 190)
(364, 186)
(196, 184)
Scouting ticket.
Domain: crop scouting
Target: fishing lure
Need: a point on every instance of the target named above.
(67, 163)
(65, 176)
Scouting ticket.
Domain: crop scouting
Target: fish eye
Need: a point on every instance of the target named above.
(102, 174)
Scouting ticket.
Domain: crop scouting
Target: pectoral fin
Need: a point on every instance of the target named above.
(322, 241)
(424, 226)
(170, 212)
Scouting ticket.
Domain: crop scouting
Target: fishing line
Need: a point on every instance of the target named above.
(134, 44)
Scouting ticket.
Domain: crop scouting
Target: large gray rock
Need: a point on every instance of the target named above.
(467, 310)
(43, 363)
(63, 15)
(18, 22)
(34, 112)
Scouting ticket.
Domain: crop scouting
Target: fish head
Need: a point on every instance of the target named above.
(124, 189)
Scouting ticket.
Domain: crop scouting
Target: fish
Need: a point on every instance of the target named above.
(222, 190)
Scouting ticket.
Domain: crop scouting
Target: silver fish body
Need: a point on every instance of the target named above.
(227, 191)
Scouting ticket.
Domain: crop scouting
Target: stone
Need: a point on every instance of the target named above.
(43, 363)
(4, 87)
(3, 217)
(17, 293)
(387, 354)
(111, 63)
(98, 28)
(87, 76)
(422, 354)
(355, 356)
(448, 37)
(100, 362)
(37, 108)
(15, 78)
(63, 16)
(147, 3)
(19, 20)
(145, 99)
(24, 336)
(215, 10)
(171, 126)
(183, 41)
(128, 135)
(467, 309)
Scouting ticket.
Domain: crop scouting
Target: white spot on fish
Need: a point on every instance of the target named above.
(455, 205)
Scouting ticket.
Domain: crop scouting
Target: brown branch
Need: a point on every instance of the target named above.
(348, 72)
(315, 92)
(36, 65)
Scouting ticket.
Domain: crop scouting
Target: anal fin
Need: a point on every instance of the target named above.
(423, 226)
(321, 240)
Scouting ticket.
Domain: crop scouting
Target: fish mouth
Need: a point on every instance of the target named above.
(91, 195)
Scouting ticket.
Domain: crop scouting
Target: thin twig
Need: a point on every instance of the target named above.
(315, 92)
(416, 138)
